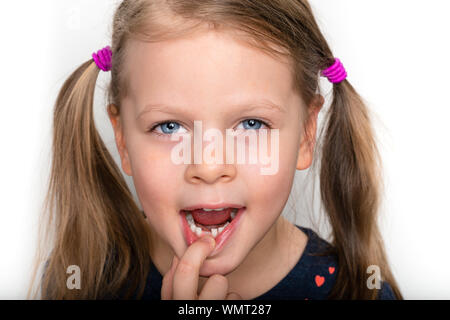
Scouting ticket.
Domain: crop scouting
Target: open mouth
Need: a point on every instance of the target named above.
(210, 221)
(218, 223)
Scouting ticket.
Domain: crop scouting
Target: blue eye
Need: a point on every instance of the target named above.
(167, 128)
(171, 127)
(253, 124)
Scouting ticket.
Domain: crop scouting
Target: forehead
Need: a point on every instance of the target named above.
(205, 69)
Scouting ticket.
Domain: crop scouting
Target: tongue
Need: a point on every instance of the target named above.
(211, 217)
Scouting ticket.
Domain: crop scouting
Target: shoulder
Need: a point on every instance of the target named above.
(321, 258)
(386, 292)
(318, 264)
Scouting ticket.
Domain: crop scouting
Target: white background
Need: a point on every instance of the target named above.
(397, 57)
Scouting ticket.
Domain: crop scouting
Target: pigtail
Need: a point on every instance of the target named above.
(95, 222)
(351, 185)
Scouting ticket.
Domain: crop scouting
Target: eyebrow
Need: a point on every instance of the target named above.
(249, 106)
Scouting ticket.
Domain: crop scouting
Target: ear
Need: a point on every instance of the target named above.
(116, 123)
(306, 150)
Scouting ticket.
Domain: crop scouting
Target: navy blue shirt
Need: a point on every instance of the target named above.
(311, 278)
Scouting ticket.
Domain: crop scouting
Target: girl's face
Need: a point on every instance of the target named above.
(213, 78)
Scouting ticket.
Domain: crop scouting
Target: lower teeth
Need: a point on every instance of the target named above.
(214, 231)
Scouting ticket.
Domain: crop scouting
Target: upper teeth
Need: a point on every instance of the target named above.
(220, 209)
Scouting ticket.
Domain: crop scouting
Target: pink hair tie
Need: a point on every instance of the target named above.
(336, 73)
(103, 58)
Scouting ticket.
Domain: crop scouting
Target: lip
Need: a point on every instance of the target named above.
(213, 206)
(221, 239)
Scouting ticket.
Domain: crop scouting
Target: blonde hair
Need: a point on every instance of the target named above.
(95, 221)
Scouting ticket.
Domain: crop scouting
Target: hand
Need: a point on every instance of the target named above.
(181, 281)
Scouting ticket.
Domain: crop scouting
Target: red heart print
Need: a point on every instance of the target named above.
(331, 270)
(319, 280)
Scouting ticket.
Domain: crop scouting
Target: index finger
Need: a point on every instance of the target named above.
(166, 288)
(186, 275)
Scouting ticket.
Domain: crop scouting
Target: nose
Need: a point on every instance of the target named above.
(210, 173)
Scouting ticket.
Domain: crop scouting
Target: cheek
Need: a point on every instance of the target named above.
(268, 193)
(155, 177)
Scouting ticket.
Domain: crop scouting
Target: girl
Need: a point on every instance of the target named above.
(212, 231)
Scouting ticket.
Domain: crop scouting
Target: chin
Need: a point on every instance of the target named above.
(219, 265)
